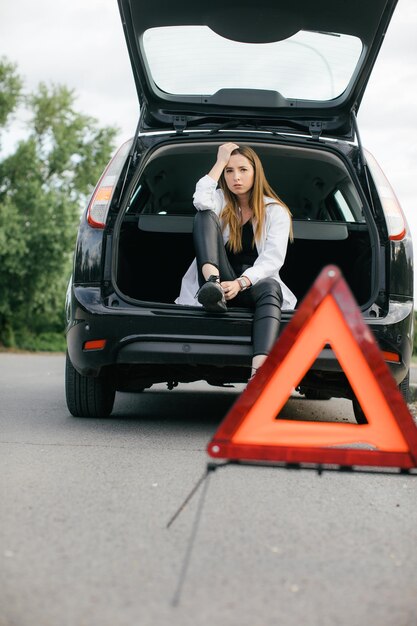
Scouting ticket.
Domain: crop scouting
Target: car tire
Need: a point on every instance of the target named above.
(360, 416)
(404, 388)
(87, 396)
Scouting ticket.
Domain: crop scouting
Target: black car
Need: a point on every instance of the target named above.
(287, 79)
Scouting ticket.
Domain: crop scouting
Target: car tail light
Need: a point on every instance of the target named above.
(95, 344)
(391, 356)
(103, 193)
(396, 222)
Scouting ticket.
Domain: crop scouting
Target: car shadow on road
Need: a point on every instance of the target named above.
(175, 417)
(185, 406)
(188, 412)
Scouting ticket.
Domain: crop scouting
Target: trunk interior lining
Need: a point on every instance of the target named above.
(152, 263)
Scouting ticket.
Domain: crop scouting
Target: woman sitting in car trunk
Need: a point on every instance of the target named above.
(241, 233)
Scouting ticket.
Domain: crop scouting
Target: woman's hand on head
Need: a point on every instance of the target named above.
(223, 156)
(230, 288)
(224, 152)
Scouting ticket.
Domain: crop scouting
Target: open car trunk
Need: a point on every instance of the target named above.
(155, 245)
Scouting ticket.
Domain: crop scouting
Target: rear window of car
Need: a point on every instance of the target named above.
(194, 60)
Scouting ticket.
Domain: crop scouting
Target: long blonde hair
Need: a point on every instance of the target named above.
(230, 214)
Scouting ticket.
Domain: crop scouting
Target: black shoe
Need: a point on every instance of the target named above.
(211, 295)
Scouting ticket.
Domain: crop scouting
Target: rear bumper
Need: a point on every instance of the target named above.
(173, 337)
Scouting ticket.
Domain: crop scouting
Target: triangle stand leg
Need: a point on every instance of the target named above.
(211, 467)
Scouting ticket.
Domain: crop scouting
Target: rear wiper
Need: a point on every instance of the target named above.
(246, 124)
(231, 124)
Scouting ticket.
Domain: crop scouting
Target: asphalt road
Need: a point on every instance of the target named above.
(85, 506)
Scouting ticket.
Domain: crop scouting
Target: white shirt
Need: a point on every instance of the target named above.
(271, 247)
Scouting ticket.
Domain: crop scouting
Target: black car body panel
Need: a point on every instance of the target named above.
(175, 344)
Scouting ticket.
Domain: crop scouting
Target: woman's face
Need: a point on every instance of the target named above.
(239, 174)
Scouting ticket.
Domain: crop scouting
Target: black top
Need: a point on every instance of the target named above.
(247, 256)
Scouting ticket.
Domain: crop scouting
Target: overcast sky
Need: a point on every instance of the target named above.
(80, 43)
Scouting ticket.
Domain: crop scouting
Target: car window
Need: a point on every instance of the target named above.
(342, 205)
(194, 60)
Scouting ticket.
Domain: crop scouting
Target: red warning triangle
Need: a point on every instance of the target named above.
(327, 315)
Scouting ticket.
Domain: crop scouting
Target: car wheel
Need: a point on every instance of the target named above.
(404, 388)
(358, 411)
(87, 396)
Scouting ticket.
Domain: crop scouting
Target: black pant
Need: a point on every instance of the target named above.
(265, 297)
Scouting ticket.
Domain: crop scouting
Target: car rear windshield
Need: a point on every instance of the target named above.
(194, 60)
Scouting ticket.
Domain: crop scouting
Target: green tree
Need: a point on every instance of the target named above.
(43, 186)
(10, 90)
